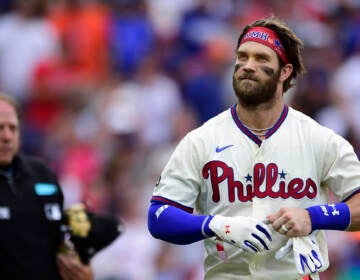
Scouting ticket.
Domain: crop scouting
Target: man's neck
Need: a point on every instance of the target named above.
(263, 116)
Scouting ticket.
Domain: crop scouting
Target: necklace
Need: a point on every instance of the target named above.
(257, 129)
(259, 134)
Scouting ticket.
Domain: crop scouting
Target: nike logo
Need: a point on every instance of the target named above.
(220, 149)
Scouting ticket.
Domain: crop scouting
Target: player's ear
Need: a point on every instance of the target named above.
(285, 72)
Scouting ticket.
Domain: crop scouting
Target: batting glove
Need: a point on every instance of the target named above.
(307, 254)
(247, 233)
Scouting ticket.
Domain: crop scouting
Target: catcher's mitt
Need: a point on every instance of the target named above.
(90, 232)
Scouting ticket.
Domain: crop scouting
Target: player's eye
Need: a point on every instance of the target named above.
(262, 58)
(241, 57)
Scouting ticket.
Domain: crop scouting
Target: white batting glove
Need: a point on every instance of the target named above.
(247, 233)
(307, 254)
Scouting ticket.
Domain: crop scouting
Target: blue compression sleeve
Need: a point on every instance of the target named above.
(174, 225)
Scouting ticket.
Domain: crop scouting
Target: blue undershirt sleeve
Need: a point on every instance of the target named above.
(177, 226)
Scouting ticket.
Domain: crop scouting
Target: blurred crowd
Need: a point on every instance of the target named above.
(108, 87)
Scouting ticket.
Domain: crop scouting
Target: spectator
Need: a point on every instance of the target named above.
(26, 37)
(30, 212)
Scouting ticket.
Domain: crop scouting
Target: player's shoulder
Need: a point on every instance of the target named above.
(312, 130)
(300, 116)
(306, 122)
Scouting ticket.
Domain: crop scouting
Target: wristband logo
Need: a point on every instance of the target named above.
(335, 212)
(266, 181)
(325, 211)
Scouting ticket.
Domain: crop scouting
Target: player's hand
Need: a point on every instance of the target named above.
(71, 268)
(307, 256)
(247, 233)
(291, 221)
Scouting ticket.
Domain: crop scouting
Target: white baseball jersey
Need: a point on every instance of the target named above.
(223, 168)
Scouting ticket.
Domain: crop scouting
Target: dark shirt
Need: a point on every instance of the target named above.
(31, 204)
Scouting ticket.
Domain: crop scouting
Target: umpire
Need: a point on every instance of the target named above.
(31, 205)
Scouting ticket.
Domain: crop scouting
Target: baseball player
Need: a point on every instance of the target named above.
(253, 181)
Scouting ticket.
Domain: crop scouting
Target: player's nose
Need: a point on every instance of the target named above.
(249, 65)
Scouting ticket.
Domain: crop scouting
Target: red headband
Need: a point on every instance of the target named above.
(267, 37)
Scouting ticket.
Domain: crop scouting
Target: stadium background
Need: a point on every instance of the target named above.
(108, 87)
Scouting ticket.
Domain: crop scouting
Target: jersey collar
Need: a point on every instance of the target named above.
(251, 135)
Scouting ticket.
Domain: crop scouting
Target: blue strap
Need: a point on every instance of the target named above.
(330, 216)
(174, 225)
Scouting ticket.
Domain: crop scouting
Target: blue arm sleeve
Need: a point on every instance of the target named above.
(176, 226)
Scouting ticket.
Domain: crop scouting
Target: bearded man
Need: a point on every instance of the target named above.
(258, 175)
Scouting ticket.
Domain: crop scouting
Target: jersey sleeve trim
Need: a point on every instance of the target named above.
(351, 195)
(172, 203)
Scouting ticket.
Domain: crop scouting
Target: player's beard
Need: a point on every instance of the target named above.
(253, 92)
